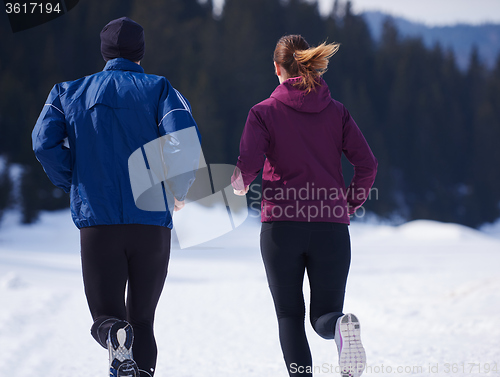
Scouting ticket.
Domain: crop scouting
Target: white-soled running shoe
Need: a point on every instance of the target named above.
(352, 356)
(120, 340)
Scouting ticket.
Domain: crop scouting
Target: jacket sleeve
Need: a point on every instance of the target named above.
(181, 140)
(359, 154)
(49, 139)
(254, 145)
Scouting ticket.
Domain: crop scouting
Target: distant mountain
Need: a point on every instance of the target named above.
(460, 38)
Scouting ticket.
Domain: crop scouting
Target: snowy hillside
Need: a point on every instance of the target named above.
(427, 294)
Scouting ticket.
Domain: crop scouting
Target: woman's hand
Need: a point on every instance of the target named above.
(178, 205)
(241, 192)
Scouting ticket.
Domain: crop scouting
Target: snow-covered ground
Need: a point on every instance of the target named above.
(427, 295)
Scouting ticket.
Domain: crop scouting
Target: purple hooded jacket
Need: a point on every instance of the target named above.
(299, 138)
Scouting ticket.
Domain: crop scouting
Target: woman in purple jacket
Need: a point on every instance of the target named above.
(299, 135)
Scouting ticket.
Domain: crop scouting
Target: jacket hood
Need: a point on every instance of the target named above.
(313, 102)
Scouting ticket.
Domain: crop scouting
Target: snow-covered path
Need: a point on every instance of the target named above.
(427, 295)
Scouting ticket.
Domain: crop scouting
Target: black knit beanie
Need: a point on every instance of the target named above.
(122, 38)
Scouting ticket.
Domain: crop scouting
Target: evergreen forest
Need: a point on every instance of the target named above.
(435, 129)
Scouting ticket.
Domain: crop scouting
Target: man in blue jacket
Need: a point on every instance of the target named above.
(84, 137)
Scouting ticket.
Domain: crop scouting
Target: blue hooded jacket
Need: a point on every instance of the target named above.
(89, 128)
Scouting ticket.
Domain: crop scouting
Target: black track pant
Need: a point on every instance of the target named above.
(114, 256)
(288, 250)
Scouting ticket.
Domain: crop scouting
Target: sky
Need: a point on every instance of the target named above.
(431, 12)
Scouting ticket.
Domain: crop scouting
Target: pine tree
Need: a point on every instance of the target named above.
(5, 186)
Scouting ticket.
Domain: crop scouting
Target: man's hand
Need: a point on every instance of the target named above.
(241, 192)
(178, 205)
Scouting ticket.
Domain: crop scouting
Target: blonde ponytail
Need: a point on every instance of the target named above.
(298, 59)
(313, 63)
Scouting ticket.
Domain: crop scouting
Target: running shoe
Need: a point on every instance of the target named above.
(120, 340)
(352, 356)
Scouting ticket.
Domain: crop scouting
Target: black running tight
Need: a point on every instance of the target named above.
(118, 256)
(289, 249)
